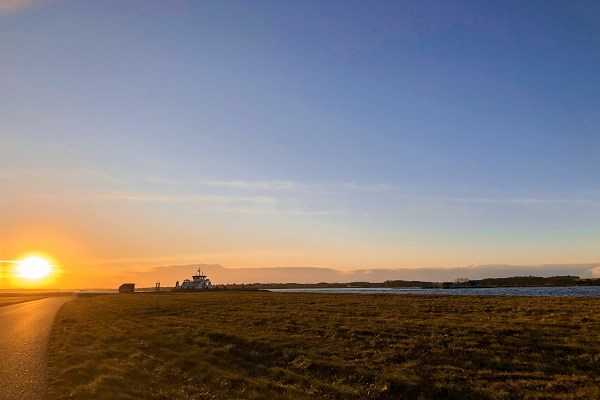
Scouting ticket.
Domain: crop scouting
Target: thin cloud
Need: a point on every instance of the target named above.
(588, 202)
(264, 185)
(275, 185)
(315, 213)
(259, 185)
(219, 203)
(377, 187)
(278, 211)
(236, 184)
(161, 198)
(520, 201)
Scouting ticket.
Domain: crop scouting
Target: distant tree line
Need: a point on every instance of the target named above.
(567, 280)
(515, 281)
(523, 281)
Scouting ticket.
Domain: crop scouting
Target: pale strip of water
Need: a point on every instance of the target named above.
(576, 291)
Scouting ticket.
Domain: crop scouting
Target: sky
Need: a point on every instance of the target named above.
(340, 134)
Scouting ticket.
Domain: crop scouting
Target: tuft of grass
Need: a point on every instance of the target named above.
(255, 345)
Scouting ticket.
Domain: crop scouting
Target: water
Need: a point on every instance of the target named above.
(570, 291)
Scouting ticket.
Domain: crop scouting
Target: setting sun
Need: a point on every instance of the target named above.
(33, 267)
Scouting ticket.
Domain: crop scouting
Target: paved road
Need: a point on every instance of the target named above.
(24, 332)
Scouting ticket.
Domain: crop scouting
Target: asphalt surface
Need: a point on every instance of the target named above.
(24, 332)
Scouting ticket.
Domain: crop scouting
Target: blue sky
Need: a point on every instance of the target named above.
(344, 134)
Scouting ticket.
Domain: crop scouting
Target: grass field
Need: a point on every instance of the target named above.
(255, 345)
(7, 299)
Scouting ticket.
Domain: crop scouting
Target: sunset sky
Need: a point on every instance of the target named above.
(340, 134)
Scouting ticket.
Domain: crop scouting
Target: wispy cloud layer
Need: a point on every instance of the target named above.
(275, 185)
(264, 189)
(525, 201)
(276, 197)
(383, 188)
(194, 198)
(162, 198)
(219, 203)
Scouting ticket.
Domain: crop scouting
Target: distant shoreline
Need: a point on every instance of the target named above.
(510, 282)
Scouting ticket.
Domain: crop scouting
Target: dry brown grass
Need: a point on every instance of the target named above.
(254, 345)
(10, 299)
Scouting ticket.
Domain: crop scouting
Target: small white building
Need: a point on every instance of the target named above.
(198, 282)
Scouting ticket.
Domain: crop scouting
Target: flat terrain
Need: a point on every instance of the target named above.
(9, 299)
(228, 345)
(24, 332)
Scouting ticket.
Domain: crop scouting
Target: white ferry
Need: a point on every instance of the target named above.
(198, 282)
